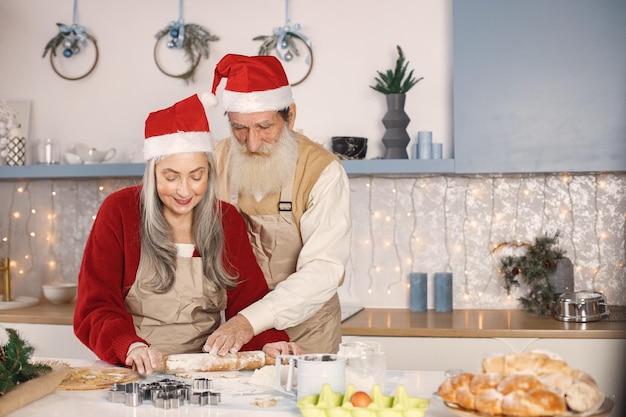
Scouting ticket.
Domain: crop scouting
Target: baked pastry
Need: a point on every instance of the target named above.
(528, 384)
(519, 382)
(489, 401)
(536, 402)
(449, 388)
(485, 381)
(583, 397)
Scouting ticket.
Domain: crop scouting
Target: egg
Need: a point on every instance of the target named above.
(360, 399)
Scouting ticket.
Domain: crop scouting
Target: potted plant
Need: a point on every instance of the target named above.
(395, 83)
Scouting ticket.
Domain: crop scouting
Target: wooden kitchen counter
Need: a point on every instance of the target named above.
(42, 313)
(475, 324)
(402, 322)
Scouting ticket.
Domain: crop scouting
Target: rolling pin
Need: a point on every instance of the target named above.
(205, 362)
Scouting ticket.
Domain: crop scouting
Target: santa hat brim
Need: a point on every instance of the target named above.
(257, 101)
(179, 142)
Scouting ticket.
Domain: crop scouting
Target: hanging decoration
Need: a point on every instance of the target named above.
(74, 39)
(291, 47)
(193, 39)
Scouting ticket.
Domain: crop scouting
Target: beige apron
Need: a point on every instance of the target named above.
(180, 320)
(276, 242)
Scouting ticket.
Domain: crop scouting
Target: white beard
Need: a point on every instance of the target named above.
(266, 171)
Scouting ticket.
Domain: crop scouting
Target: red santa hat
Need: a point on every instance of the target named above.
(181, 128)
(255, 84)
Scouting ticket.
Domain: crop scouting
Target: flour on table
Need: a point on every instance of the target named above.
(265, 376)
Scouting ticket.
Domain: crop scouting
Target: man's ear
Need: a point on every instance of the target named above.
(292, 115)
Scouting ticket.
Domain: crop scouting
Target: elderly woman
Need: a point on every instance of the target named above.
(166, 258)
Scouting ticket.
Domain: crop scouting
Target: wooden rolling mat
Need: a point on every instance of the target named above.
(96, 377)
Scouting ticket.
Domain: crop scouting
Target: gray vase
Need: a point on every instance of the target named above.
(562, 279)
(396, 139)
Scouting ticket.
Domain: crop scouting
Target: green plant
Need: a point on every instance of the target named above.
(396, 81)
(16, 366)
(533, 269)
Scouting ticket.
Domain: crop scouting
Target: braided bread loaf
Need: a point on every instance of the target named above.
(523, 384)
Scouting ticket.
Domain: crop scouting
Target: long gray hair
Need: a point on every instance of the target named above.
(158, 252)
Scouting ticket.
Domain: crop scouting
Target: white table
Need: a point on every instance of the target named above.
(97, 404)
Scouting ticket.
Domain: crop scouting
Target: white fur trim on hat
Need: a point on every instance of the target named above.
(257, 101)
(179, 142)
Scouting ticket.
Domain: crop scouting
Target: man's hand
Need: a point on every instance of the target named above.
(144, 359)
(229, 337)
(281, 348)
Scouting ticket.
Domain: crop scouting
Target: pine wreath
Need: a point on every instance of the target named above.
(15, 365)
(533, 269)
(195, 46)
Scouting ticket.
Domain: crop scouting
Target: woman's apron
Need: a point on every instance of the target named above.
(180, 320)
(276, 242)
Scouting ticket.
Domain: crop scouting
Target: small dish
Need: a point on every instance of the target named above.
(72, 158)
(60, 293)
(92, 155)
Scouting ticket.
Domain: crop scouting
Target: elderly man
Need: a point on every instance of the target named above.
(295, 197)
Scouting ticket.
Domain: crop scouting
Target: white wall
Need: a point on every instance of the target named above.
(426, 223)
(352, 39)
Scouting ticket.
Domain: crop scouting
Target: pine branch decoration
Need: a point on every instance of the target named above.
(533, 269)
(396, 81)
(195, 46)
(15, 364)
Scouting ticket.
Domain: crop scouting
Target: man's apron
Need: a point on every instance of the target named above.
(180, 320)
(276, 242)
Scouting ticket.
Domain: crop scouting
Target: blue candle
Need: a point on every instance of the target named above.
(443, 292)
(417, 297)
(437, 150)
(424, 144)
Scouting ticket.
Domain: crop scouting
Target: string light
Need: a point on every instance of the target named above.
(449, 221)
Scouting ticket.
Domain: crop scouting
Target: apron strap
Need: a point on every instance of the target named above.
(285, 200)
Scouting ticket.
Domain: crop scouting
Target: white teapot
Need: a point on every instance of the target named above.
(92, 155)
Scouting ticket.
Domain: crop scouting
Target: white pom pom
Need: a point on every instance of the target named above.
(209, 100)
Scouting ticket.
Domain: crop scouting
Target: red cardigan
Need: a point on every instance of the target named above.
(110, 264)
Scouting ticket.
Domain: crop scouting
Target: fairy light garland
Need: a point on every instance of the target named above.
(596, 231)
(398, 268)
(445, 226)
(372, 268)
(428, 220)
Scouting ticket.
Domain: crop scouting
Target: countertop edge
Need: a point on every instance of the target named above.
(390, 322)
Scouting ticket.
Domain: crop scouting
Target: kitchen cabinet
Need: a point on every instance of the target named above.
(52, 340)
(539, 86)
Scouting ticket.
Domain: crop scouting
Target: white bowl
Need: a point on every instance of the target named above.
(60, 293)
(92, 155)
(72, 158)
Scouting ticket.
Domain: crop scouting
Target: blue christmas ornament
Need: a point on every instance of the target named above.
(67, 52)
(174, 33)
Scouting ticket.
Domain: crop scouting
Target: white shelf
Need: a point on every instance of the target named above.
(353, 167)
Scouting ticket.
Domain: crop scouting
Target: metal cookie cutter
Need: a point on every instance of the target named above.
(202, 394)
(165, 393)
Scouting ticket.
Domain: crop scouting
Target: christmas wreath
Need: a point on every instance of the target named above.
(192, 38)
(15, 361)
(288, 43)
(73, 38)
(533, 269)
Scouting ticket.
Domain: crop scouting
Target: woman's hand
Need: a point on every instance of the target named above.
(281, 348)
(144, 359)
